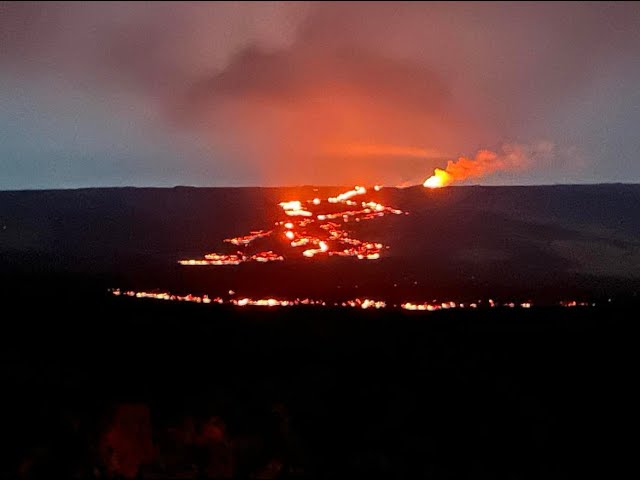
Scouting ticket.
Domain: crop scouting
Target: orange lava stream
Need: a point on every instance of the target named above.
(247, 239)
(362, 303)
(320, 232)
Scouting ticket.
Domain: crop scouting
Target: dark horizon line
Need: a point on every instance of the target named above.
(254, 187)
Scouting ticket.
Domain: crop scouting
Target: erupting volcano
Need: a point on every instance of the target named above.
(316, 227)
(513, 157)
(484, 163)
(440, 178)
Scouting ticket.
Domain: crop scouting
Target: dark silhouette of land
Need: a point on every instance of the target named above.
(543, 241)
(163, 390)
(96, 386)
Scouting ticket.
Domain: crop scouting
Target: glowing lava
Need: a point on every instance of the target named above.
(440, 178)
(294, 209)
(363, 303)
(317, 225)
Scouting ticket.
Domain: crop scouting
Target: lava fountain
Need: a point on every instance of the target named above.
(440, 178)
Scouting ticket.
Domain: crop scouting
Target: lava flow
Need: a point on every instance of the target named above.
(363, 303)
(313, 227)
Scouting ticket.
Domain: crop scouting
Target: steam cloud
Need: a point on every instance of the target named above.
(514, 157)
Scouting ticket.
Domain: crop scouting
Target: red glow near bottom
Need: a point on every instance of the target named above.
(362, 303)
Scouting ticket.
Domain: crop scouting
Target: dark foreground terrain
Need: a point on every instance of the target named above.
(537, 243)
(96, 386)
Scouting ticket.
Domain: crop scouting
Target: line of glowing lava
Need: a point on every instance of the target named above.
(362, 303)
(247, 239)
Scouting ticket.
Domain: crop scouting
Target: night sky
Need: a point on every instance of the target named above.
(229, 94)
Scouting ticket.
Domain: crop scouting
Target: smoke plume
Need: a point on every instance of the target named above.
(514, 157)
